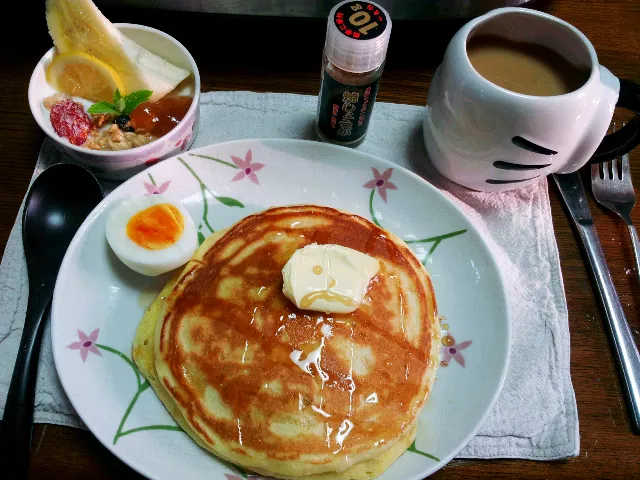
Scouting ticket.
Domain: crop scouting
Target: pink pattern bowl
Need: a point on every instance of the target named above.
(120, 165)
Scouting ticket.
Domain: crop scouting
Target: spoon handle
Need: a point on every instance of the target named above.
(17, 423)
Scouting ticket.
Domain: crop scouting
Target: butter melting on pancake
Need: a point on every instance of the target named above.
(294, 393)
(328, 278)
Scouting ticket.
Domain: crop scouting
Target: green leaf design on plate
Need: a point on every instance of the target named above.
(172, 428)
(139, 381)
(205, 202)
(201, 238)
(437, 240)
(374, 217)
(230, 202)
(242, 472)
(228, 164)
(413, 449)
(142, 386)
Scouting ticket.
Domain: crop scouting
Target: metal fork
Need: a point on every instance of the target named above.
(612, 188)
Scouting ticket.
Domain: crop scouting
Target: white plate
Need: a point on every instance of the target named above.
(98, 302)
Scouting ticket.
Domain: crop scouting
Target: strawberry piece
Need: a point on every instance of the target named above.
(69, 120)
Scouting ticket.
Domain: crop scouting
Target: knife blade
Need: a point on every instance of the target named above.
(575, 199)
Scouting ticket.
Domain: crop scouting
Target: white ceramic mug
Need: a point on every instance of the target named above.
(487, 138)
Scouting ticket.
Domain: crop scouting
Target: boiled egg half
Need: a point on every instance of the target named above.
(151, 235)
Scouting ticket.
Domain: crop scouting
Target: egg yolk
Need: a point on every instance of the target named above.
(156, 227)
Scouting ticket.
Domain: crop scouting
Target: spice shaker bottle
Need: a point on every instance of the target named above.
(354, 54)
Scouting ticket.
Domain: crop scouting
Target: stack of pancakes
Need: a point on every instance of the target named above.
(287, 392)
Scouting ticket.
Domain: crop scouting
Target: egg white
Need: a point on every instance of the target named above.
(149, 262)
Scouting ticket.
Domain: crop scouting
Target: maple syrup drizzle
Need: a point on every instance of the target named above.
(448, 340)
(327, 295)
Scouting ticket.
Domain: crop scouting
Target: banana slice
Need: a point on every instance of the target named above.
(78, 26)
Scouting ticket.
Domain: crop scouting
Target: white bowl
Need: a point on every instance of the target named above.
(125, 163)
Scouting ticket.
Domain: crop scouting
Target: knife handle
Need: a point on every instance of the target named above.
(625, 347)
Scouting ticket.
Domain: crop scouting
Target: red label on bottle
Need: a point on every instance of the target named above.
(360, 20)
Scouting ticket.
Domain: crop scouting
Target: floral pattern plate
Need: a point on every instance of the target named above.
(98, 302)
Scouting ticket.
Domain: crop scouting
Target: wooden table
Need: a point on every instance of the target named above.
(270, 55)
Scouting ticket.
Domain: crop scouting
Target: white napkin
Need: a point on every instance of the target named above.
(535, 416)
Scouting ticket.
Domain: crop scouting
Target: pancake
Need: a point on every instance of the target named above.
(144, 356)
(286, 392)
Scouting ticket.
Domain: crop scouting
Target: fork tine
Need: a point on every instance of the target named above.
(626, 170)
(605, 170)
(595, 172)
(607, 174)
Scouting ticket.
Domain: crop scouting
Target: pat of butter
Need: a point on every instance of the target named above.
(328, 278)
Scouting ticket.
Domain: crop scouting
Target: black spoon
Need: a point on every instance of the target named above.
(57, 203)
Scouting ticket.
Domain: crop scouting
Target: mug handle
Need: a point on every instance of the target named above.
(628, 137)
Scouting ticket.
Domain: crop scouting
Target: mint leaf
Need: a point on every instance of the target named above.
(116, 96)
(103, 108)
(121, 105)
(134, 99)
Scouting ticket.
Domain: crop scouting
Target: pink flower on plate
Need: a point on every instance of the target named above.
(247, 168)
(381, 182)
(453, 351)
(86, 344)
(184, 142)
(155, 190)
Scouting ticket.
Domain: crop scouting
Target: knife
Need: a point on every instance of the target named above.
(575, 199)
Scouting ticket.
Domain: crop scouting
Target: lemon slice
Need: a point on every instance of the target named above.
(82, 75)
